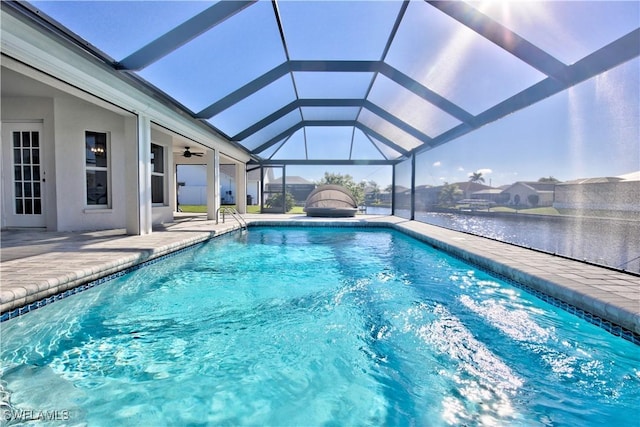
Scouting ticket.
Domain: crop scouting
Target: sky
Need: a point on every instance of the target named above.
(590, 130)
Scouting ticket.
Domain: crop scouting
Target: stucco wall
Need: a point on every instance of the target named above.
(32, 109)
(72, 119)
(545, 198)
(65, 121)
(623, 196)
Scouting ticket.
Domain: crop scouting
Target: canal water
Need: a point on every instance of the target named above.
(609, 242)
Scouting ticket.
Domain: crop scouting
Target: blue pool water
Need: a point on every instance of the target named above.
(314, 327)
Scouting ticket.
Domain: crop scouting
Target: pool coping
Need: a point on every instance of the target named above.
(612, 296)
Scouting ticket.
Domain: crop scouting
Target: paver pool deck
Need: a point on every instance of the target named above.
(36, 265)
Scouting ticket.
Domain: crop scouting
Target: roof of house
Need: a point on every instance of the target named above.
(290, 180)
(489, 191)
(534, 185)
(471, 186)
(632, 176)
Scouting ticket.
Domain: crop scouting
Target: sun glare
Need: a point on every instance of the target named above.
(516, 13)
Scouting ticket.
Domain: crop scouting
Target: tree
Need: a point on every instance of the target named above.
(476, 177)
(548, 179)
(346, 181)
(449, 194)
(533, 199)
(275, 201)
(337, 179)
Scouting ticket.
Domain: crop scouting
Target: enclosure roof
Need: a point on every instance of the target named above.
(349, 81)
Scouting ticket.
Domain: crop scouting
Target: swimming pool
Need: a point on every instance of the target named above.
(306, 326)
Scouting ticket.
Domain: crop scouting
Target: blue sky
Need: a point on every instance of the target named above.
(590, 130)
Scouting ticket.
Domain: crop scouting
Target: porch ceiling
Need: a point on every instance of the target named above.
(349, 81)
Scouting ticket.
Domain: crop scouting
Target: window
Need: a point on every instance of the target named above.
(157, 174)
(97, 168)
(26, 167)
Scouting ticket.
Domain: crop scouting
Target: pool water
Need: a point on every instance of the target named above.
(312, 326)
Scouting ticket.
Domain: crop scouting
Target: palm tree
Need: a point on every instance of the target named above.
(473, 177)
(476, 177)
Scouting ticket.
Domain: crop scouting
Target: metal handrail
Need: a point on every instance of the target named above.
(234, 213)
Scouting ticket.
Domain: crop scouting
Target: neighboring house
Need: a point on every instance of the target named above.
(381, 198)
(468, 188)
(402, 197)
(299, 187)
(428, 197)
(228, 190)
(494, 195)
(618, 195)
(192, 184)
(254, 187)
(529, 194)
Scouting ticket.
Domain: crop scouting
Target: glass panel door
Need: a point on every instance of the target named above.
(26, 166)
(23, 146)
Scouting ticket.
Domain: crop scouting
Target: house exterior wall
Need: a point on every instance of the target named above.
(546, 198)
(33, 109)
(519, 195)
(623, 196)
(72, 119)
(300, 192)
(228, 188)
(67, 93)
(194, 190)
(64, 123)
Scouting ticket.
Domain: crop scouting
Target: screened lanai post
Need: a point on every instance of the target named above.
(241, 187)
(393, 189)
(131, 175)
(213, 183)
(413, 187)
(139, 214)
(172, 181)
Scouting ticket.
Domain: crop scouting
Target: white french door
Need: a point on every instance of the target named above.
(23, 174)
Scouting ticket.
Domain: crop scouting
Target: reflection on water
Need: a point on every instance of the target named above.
(609, 242)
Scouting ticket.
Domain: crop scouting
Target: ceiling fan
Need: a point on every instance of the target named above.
(188, 153)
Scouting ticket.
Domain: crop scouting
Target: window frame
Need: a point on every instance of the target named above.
(162, 174)
(95, 168)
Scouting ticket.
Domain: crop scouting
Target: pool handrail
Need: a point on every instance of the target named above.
(234, 213)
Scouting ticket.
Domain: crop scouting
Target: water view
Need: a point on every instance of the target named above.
(608, 242)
